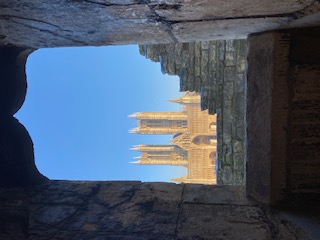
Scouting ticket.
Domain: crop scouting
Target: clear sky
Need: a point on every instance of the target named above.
(77, 108)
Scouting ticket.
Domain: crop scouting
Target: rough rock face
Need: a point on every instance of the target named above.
(135, 210)
(57, 23)
(216, 68)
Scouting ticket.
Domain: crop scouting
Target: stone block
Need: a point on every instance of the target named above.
(204, 45)
(105, 208)
(239, 162)
(239, 83)
(240, 132)
(230, 74)
(238, 177)
(238, 146)
(49, 30)
(224, 221)
(226, 175)
(208, 10)
(225, 29)
(220, 50)
(197, 66)
(241, 66)
(228, 155)
(212, 52)
(204, 66)
(185, 56)
(239, 106)
(230, 45)
(230, 58)
(197, 49)
(218, 194)
(177, 55)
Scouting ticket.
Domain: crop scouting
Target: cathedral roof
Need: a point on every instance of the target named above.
(179, 179)
(182, 140)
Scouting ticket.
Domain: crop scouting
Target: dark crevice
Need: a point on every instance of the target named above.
(222, 204)
(167, 24)
(179, 211)
(266, 217)
(141, 2)
(302, 12)
(288, 15)
(167, 7)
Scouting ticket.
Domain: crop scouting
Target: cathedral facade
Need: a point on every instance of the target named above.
(193, 143)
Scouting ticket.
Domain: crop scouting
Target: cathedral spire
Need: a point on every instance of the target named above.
(134, 130)
(134, 115)
(135, 162)
(187, 99)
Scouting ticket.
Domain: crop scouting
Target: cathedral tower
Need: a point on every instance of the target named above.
(194, 140)
(161, 155)
(160, 122)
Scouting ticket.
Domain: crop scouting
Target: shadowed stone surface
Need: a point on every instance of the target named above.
(57, 23)
(282, 117)
(135, 210)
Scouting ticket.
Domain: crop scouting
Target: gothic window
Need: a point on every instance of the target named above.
(212, 155)
(181, 123)
(213, 126)
(204, 140)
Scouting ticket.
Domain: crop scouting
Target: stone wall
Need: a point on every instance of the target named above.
(282, 117)
(304, 124)
(134, 210)
(57, 23)
(216, 69)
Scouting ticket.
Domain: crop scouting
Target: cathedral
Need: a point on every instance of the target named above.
(193, 143)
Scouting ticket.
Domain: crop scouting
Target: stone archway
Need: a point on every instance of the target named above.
(59, 209)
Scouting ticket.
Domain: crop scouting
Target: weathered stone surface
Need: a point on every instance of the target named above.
(225, 29)
(135, 210)
(217, 194)
(258, 120)
(60, 23)
(281, 94)
(217, 221)
(208, 10)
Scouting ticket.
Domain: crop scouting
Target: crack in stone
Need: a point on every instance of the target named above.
(32, 19)
(132, 190)
(94, 191)
(244, 222)
(141, 2)
(53, 33)
(167, 24)
(222, 204)
(302, 13)
(273, 229)
(288, 15)
(179, 212)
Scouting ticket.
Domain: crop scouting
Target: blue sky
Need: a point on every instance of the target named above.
(77, 108)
